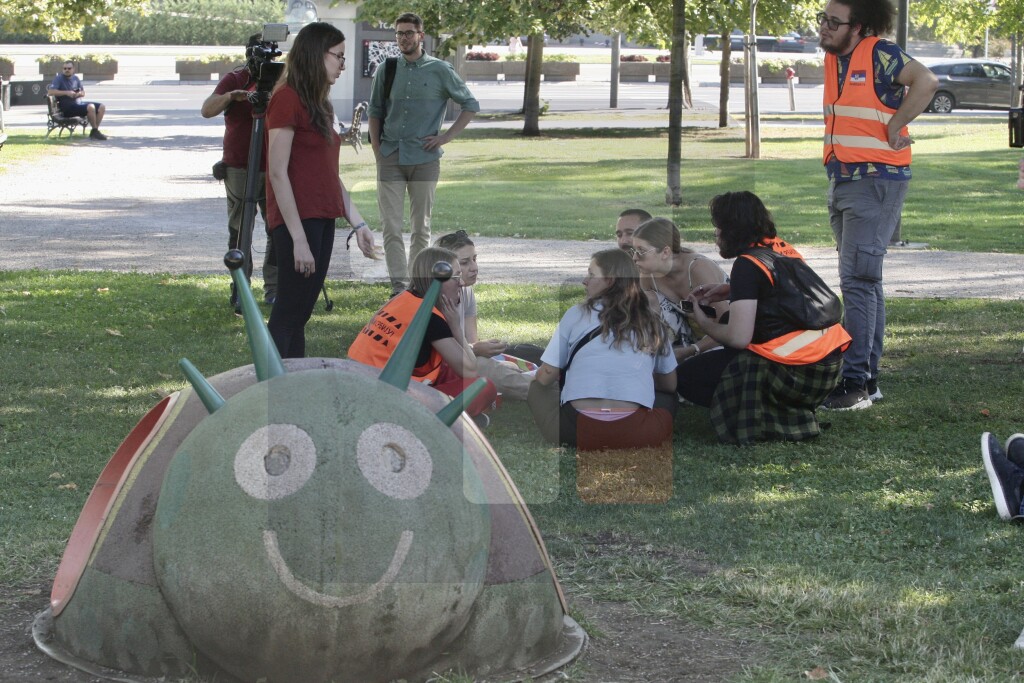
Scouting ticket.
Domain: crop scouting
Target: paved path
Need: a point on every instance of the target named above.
(145, 201)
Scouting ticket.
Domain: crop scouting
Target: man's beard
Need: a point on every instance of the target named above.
(838, 49)
(412, 50)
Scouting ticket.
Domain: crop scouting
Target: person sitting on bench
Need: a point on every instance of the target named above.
(68, 89)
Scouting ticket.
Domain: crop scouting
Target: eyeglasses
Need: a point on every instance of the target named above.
(340, 58)
(636, 253)
(69, 68)
(833, 24)
(406, 34)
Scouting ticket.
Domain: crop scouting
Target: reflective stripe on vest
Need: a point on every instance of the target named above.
(803, 347)
(856, 121)
(376, 342)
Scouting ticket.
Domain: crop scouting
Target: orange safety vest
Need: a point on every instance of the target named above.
(376, 342)
(799, 347)
(856, 121)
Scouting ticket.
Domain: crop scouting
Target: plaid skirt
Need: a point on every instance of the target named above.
(758, 399)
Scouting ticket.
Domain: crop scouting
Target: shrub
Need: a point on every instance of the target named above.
(477, 56)
(664, 58)
(211, 59)
(77, 59)
(809, 61)
(773, 66)
(560, 57)
(518, 57)
(632, 58)
(6, 60)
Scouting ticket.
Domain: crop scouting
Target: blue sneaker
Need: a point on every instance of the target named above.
(1015, 450)
(1004, 477)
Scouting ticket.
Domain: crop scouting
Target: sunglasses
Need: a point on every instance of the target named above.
(636, 253)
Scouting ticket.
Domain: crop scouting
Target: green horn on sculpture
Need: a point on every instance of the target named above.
(398, 370)
(450, 413)
(264, 353)
(204, 390)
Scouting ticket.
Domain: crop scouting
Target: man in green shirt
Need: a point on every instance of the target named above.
(405, 132)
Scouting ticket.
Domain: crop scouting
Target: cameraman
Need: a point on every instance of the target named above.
(231, 97)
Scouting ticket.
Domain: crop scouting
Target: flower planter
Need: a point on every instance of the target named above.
(560, 71)
(514, 71)
(479, 70)
(6, 70)
(770, 75)
(635, 72)
(97, 71)
(736, 72)
(662, 71)
(85, 68)
(810, 74)
(226, 66)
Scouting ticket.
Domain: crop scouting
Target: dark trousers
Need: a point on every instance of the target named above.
(698, 376)
(297, 295)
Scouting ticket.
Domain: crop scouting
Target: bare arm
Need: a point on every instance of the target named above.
(546, 374)
(740, 328)
(364, 238)
(216, 104)
(665, 381)
(922, 84)
(459, 354)
(435, 141)
(279, 153)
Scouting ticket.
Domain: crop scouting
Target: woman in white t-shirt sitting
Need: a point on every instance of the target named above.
(620, 381)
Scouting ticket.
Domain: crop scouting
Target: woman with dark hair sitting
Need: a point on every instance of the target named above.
(615, 352)
(770, 375)
(445, 361)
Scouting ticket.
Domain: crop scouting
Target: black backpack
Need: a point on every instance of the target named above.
(800, 296)
(390, 67)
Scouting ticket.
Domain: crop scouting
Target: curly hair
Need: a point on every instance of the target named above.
(625, 312)
(307, 74)
(742, 220)
(660, 233)
(876, 17)
(420, 277)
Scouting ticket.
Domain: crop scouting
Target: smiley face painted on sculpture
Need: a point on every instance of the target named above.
(321, 511)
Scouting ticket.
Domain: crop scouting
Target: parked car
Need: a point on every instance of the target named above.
(792, 42)
(971, 84)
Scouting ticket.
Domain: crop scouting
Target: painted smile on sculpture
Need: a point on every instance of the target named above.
(277, 460)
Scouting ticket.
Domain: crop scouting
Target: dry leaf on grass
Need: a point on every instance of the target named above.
(816, 674)
(70, 486)
(114, 333)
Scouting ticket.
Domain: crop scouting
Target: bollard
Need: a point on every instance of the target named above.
(790, 73)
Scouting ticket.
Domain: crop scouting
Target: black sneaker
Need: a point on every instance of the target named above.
(1004, 477)
(483, 421)
(874, 393)
(848, 395)
(1015, 450)
(97, 135)
(270, 298)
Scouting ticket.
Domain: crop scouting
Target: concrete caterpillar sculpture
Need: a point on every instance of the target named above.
(308, 520)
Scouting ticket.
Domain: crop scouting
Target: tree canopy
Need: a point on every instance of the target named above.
(61, 20)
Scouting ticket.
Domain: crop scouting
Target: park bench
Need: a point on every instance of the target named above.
(55, 119)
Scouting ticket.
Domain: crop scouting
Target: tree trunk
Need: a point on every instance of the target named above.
(531, 97)
(723, 77)
(673, 190)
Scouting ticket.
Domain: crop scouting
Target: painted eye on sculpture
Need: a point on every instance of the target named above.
(394, 461)
(275, 461)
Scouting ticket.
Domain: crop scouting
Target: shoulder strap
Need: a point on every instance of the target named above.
(584, 340)
(763, 259)
(390, 67)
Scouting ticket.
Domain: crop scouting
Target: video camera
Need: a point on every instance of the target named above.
(260, 56)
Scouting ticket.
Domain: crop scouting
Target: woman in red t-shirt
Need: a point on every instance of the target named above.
(304, 193)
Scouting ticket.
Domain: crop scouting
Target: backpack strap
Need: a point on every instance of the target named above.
(762, 259)
(390, 67)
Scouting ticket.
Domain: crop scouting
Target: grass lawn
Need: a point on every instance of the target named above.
(963, 196)
(873, 552)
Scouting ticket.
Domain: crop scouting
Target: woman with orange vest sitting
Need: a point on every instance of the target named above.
(770, 376)
(445, 361)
